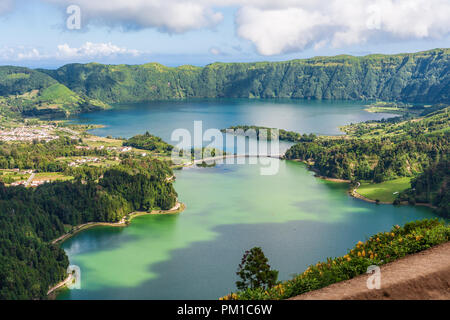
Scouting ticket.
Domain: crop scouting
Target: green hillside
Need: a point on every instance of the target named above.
(33, 93)
(18, 80)
(416, 77)
(421, 77)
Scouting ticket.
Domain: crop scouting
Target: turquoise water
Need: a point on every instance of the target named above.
(296, 218)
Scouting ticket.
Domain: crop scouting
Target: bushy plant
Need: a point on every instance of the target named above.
(254, 271)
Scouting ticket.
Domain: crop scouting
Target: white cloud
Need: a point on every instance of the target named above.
(88, 50)
(275, 27)
(277, 30)
(295, 25)
(174, 16)
(92, 50)
(19, 53)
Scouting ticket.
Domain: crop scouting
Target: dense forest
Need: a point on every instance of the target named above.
(421, 77)
(149, 142)
(31, 217)
(432, 187)
(375, 160)
(381, 151)
(266, 133)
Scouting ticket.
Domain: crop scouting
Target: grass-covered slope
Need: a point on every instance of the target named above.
(33, 93)
(386, 191)
(418, 77)
(128, 83)
(18, 80)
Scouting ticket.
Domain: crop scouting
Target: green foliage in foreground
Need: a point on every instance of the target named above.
(379, 249)
(254, 271)
(149, 142)
(31, 218)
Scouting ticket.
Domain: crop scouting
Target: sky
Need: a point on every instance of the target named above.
(51, 33)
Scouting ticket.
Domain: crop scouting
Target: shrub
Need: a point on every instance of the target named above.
(255, 271)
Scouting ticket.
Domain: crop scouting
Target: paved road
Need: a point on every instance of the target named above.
(27, 183)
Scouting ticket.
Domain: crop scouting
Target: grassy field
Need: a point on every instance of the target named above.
(385, 191)
(9, 176)
(51, 176)
(94, 141)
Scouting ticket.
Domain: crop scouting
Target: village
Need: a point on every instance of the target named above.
(45, 132)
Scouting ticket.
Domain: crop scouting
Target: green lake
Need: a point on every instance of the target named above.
(296, 218)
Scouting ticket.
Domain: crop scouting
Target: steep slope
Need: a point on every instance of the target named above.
(34, 93)
(416, 77)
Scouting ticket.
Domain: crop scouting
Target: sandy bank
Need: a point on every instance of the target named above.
(179, 207)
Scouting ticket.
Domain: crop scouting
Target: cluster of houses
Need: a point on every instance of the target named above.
(36, 183)
(78, 162)
(18, 183)
(29, 181)
(120, 149)
(31, 184)
(41, 133)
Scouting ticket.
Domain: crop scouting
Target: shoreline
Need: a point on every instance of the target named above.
(178, 208)
(354, 193)
(60, 285)
(124, 222)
